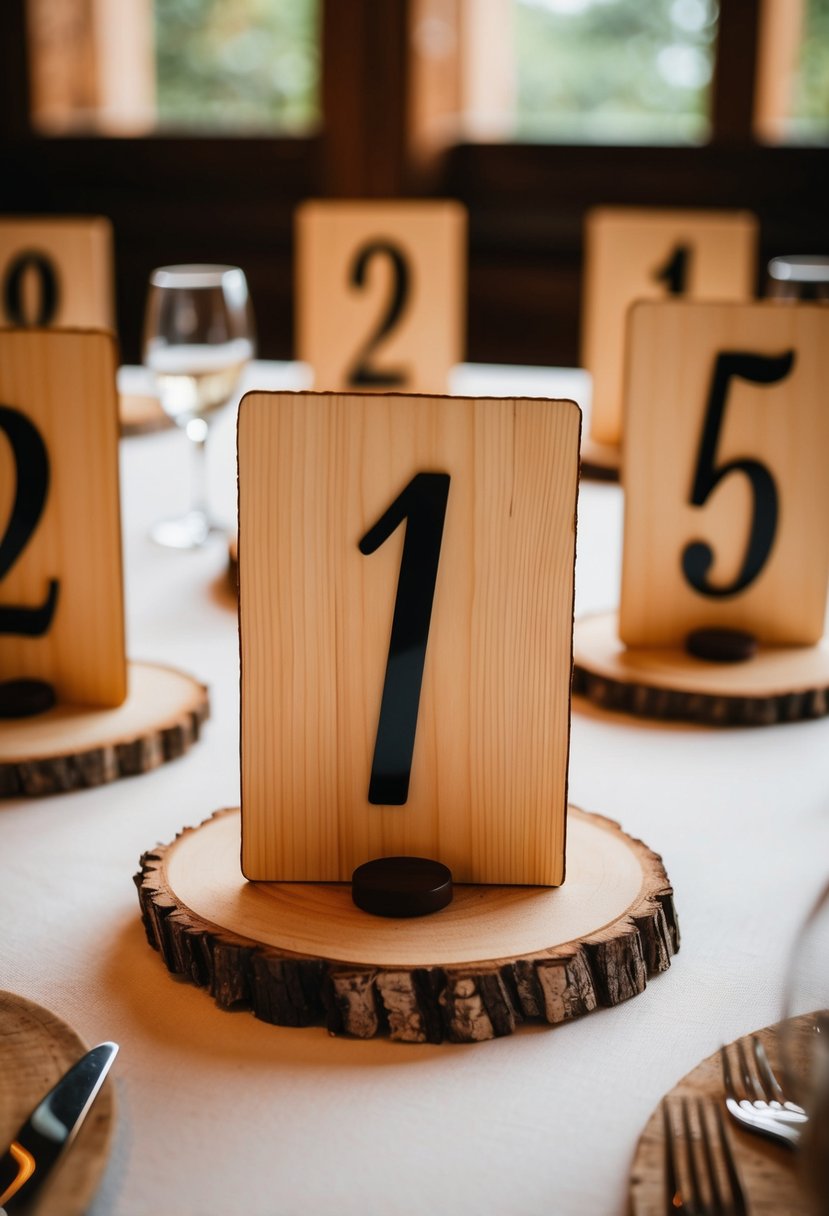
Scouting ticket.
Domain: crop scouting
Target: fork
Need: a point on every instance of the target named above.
(762, 1106)
(703, 1193)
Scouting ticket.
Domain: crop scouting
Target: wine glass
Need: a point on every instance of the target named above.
(805, 1047)
(198, 338)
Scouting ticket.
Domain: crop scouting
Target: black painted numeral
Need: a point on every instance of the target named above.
(698, 555)
(363, 373)
(674, 273)
(32, 472)
(422, 504)
(38, 263)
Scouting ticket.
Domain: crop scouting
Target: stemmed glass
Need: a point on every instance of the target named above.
(198, 338)
(805, 1047)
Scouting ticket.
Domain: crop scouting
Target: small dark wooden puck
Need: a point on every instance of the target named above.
(25, 698)
(721, 645)
(401, 886)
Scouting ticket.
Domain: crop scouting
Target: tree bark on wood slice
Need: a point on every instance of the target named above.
(780, 684)
(301, 954)
(769, 1179)
(36, 1049)
(73, 747)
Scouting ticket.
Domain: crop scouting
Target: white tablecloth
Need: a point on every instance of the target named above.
(219, 1113)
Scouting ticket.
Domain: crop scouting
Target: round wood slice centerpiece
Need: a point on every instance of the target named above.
(778, 684)
(141, 414)
(36, 1049)
(302, 953)
(768, 1171)
(600, 461)
(73, 747)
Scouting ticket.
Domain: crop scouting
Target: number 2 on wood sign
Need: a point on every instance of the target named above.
(698, 556)
(422, 504)
(32, 472)
(674, 272)
(35, 262)
(363, 373)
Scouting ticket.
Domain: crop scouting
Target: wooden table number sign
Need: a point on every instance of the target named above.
(56, 271)
(405, 607)
(726, 540)
(67, 697)
(641, 253)
(381, 294)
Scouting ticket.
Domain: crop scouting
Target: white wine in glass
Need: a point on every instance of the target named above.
(198, 339)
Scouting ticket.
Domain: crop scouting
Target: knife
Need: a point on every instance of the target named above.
(51, 1127)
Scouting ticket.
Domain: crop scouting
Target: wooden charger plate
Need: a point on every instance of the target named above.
(36, 1049)
(768, 1171)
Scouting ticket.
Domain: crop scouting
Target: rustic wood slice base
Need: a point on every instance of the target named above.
(600, 461)
(73, 747)
(302, 953)
(768, 1171)
(141, 414)
(780, 684)
(36, 1049)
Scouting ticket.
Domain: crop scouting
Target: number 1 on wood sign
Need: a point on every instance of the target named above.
(422, 504)
(432, 721)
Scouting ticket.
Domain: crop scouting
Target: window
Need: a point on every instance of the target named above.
(132, 67)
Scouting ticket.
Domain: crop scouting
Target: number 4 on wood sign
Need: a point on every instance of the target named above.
(726, 491)
(406, 613)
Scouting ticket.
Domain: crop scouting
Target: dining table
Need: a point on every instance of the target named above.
(218, 1112)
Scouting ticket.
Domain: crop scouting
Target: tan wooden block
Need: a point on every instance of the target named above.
(381, 293)
(488, 788)
(770, 545)
(641, 253)
(57, 272)
(61, 540)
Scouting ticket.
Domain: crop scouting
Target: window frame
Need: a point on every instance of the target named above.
(178, 198)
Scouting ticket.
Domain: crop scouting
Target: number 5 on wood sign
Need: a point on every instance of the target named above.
(406, 615)
(640, 253)
(381, 293)
(726, 491)
(56, 271)
(61, 607)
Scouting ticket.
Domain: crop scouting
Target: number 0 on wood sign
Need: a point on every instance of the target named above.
(381, 293)
(641, 253)
(725, 459)
(56, 271)
(406, 614)
(61, 602)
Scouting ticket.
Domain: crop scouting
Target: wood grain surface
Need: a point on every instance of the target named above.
(625, 248)
(780, 684)
(297, 954)
(784, 425)
(768, 1171)
(80, 249)
(63, 383)
(335, 319)
(72, 747)
(36, 1049)
(488, 786)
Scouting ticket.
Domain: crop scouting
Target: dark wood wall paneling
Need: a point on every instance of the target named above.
(232, 200)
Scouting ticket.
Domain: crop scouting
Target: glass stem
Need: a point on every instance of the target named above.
(197, 434)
